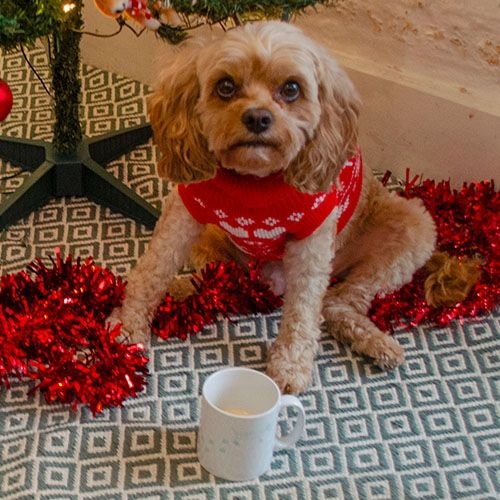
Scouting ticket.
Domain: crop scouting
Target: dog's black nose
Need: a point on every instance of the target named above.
(257, 120)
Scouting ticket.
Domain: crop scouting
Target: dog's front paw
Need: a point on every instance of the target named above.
(385, 351)
(135, 327)
(290, 367)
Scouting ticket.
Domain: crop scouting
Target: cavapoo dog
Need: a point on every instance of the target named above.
(259, 131)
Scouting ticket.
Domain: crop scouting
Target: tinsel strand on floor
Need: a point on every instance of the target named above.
(468, 258)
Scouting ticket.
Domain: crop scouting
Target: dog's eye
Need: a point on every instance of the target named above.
(290, 91)
(225, 88)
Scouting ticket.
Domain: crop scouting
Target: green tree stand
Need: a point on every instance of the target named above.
(72, 165)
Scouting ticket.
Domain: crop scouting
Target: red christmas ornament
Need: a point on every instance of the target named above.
(6, 100)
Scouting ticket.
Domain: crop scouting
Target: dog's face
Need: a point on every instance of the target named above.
(258, 103)
(260, 99)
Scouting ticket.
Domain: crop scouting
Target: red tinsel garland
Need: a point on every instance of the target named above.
(52, 326)
(222, 289)
(468, 225)
(467, 222)
(52, 330)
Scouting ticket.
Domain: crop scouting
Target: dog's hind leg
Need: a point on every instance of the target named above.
(397, 238)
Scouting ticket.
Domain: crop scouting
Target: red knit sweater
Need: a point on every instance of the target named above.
(261, 214)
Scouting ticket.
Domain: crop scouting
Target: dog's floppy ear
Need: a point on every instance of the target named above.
(336, 137)
(177, 132)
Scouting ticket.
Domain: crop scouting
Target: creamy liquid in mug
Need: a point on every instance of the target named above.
(237, 411)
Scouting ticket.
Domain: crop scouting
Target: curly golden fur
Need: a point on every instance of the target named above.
(260, 99)
(194, 131)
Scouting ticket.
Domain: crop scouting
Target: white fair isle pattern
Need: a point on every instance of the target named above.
(428, 430)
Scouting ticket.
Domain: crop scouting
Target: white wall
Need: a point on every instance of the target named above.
(428, 72)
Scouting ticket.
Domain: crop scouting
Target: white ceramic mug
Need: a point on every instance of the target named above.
(238, 423)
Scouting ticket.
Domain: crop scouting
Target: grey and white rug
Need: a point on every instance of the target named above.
(428, 430)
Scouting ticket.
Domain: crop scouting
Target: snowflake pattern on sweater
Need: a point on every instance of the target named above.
(261, 214)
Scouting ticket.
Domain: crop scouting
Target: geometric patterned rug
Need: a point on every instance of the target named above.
(427, 430)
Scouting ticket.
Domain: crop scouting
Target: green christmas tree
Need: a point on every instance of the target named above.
(72, 164)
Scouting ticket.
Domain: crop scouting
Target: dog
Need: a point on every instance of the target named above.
(258, 129)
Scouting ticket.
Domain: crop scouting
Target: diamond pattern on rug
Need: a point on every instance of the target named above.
(428, 430)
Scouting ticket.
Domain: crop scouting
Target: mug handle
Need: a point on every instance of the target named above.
(294, 435)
